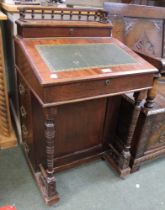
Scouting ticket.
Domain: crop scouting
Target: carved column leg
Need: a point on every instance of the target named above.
(49, 138)
(119, 155)
(152, 92)
(126, 155)
(47, 176)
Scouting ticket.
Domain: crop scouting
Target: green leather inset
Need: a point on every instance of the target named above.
(68, 57)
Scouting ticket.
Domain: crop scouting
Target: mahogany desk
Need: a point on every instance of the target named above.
(67, 104)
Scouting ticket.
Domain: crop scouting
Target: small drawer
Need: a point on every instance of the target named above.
(22, 88)
(96, 88)
(65, 32)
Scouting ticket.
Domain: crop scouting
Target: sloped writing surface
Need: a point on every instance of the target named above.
(66, 57)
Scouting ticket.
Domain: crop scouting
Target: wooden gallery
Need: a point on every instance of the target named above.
(81, 83)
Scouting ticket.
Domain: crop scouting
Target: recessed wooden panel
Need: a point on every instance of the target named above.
(80, 126)
(79, 129)
(144, 35)
(157, 131)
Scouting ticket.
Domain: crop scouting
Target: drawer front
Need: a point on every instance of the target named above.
(64, 32)
(96, 88)
(25, 113)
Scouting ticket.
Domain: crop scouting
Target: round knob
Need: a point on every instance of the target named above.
(107, 82)
(24, 130)
(23, 111)
(71, 30)
(21, 89)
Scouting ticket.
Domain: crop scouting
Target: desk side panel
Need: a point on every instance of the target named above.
(25, 69)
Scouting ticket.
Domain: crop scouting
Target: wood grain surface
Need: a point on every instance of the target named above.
(43, 73)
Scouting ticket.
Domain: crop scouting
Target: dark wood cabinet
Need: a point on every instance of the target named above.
(142, 29)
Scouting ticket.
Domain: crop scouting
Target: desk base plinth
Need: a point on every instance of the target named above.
(122, 172)
(49, 200)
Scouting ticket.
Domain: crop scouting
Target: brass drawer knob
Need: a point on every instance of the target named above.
(24, 130)
(107, 82)
(26, 147)
(71, 30)
(21, 89)
(23, 111)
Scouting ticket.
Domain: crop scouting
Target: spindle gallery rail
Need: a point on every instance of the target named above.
(48, 13)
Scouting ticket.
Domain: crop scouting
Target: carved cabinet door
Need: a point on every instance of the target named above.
(145, 35)
(157, 131)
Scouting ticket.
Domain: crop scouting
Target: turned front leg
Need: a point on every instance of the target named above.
(50, 131)
(151, 94)
(47, 175)
(125, 157)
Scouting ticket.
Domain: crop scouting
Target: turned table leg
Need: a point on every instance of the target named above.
(47, 176)
(151, 94)
(119, 156)
(124, 160)
(49, 138)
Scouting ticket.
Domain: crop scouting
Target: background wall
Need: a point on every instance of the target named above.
(94, 3)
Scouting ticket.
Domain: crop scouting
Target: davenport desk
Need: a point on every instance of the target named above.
(68, 91)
